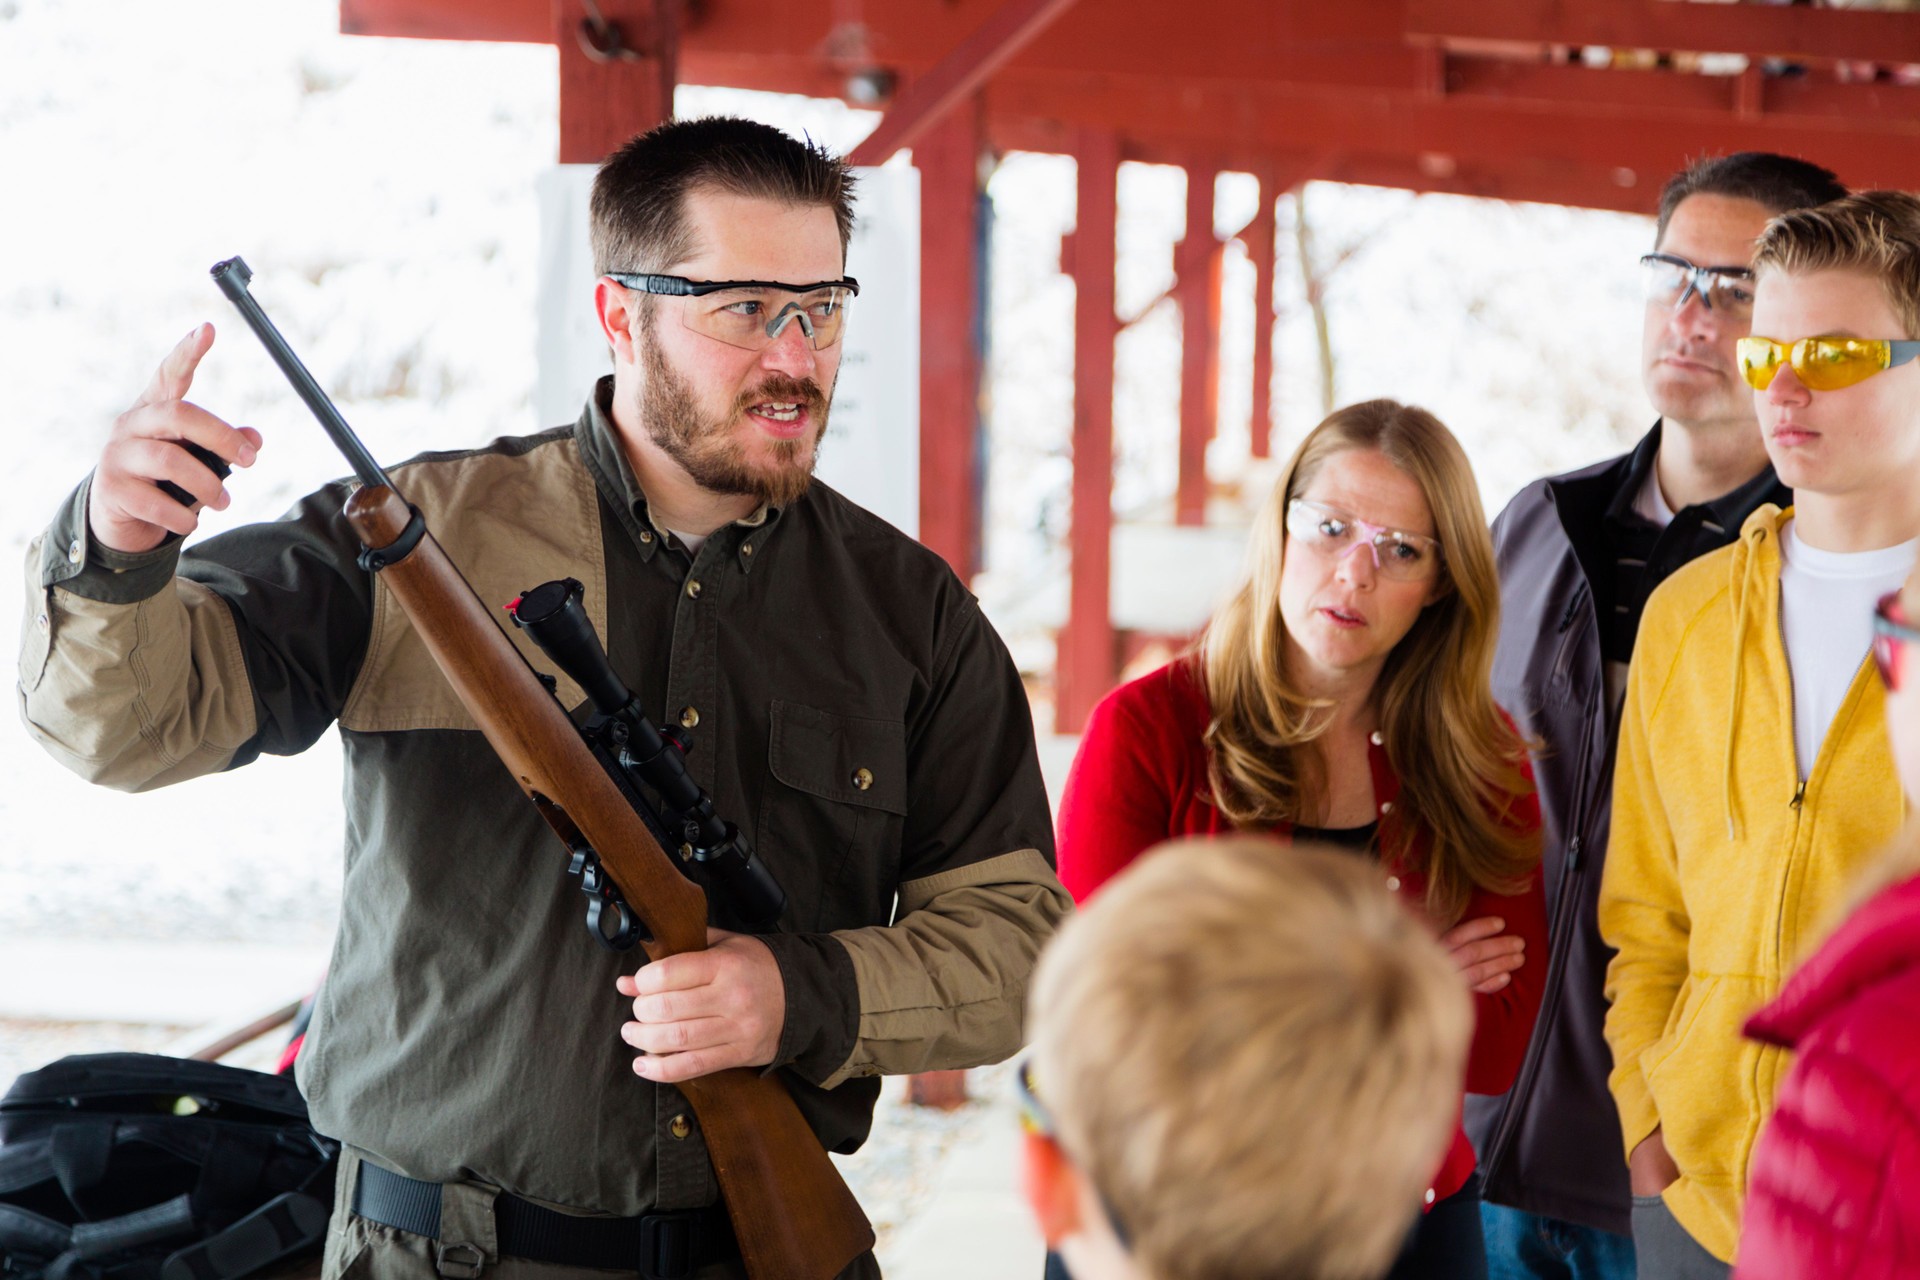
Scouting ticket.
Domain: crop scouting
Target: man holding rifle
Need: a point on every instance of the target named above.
(503, 1085)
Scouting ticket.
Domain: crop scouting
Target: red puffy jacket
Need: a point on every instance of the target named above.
(1835, 1183)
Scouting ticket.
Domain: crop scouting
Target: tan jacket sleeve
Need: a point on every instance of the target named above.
(129, 693)
(945, 985)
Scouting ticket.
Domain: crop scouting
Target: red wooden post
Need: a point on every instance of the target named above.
(1085, 668)
(616, 76)
(1260, 247)
(1199, 262)
(948, 157)
(941, 1090)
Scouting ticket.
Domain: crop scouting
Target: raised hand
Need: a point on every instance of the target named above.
(126, 508)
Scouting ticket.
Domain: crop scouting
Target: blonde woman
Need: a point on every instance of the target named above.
(1343, 696)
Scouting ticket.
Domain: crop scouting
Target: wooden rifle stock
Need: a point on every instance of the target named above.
(791, 1211)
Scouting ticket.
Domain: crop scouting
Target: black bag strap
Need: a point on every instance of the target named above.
(80, 1153)
(277, 1228)
(151, 1225)
(26, 1233)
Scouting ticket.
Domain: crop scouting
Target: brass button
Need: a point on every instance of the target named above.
(76, 553)
(693, 588)
(686, 853)
(679, 1127)
(863, 778)
(646, 535)
(689, 717)
(746, 549)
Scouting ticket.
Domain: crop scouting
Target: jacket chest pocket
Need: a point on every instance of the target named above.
(831, 820)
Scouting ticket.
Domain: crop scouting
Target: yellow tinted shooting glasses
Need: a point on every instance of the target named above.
(1823, 364)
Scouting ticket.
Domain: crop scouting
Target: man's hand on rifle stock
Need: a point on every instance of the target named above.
(704, 1011)
(126, 509)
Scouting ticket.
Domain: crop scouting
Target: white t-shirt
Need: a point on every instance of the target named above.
(1826, 619)
(691, 541)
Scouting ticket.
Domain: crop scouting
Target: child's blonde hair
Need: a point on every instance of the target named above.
(1255, 1053)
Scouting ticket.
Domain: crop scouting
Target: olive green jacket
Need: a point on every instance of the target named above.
(855, 715)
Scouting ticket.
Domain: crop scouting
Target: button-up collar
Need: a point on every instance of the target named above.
(606, 460)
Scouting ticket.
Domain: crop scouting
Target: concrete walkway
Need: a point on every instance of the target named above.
(976, 1224)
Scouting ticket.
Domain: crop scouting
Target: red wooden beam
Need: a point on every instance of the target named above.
(1756, 30)
(1356, 42)
(1199, 259)
(1085, 668)
(960, 73)
(1645, 145)
(616, 76)
(948, 158)
(520, 21)
(1260, 241)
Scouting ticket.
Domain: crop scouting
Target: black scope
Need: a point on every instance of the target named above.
(552, 615)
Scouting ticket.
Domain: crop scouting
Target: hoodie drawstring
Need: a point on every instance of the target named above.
(1758, 536)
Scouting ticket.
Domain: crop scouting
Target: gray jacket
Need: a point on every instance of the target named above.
(1551, 1144)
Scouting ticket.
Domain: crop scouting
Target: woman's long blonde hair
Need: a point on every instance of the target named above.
(1461, 765)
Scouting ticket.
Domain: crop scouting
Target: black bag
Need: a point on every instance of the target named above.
(130, 1166)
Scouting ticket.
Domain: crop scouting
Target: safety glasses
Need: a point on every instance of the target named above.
(1669, 280)
(1824, 363)
(752, 314)
(1892, 633)
(1035, 1120)
(1333, 533)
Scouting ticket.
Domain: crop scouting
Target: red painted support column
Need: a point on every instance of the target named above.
(1086, 667)
(1199, 264)
(948, 157)
(616, 78)
(1260, 241)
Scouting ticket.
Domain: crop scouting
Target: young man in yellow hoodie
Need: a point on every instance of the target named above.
(1754, 777)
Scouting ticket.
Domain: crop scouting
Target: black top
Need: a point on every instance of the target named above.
(1353, 839)
(1641, 555)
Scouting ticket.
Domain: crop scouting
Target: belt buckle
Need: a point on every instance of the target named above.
(459, 1261)
(666, 1246)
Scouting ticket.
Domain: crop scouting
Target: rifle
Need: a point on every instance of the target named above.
(792, 1213)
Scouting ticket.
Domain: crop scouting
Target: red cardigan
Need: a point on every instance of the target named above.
(1835, 1182)
(1140, 777)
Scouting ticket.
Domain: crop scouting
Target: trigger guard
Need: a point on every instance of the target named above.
(628, 930)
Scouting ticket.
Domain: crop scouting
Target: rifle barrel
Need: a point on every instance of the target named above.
(232, 276)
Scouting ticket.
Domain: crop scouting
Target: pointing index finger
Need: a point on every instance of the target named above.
(174, 377)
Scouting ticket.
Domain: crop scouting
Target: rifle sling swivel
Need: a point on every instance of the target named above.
(375, 559)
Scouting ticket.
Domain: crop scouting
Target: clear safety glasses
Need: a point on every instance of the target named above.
(752, 314)
(1823, 364)
(1669, 280)
(1334, 533)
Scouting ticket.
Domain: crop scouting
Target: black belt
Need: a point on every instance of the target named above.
(660, 1246)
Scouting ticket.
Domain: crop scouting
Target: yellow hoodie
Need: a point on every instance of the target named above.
(1722, 865)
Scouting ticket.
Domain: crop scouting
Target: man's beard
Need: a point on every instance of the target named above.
(708, 451)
